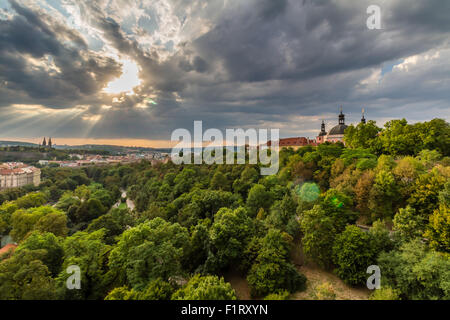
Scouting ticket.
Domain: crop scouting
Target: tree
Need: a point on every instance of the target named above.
(89, 210)
(417, 272)
(272, 271)
(438, 230)
(383, 195)
(258, 197)
(25, 277)
(380, 238)
(32, 200)
(408, 224)
(283, 216)
(151, 250)
(205, 288)
(155, 290)
(6, 211)
(54, 222)
(199, 242)
(25, 221)
(338, 206)
(364, 135)
(426, 192)
(184, 181)
(52, 245)
(112, 227)
(362, 191)
(219, 182)
(248, 177)
(228, 237)
(319, 231)
(400, 138)
(280, 295)
(406, 172)
(435, 135)
(352, 254)
(385, 293)
(89, 252)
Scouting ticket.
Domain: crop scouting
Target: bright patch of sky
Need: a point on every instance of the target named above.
(388, 66)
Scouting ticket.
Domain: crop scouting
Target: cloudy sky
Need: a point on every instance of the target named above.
(131, 71)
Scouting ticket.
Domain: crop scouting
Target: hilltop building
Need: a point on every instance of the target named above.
(294, 143)
(17, 174)
(322, 135)
(45, 143)
(336, 134)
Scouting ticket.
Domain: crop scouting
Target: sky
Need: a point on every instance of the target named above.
(130, 72)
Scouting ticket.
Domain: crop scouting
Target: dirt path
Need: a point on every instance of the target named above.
(239, 284)
(130, 204)
(317, 276)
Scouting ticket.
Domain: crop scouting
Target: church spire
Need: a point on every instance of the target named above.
(363, 119)
(50, 142)
(322, 129)
(44, 143)
(341, 117)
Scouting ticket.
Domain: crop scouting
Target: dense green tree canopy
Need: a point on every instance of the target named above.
(205, 288)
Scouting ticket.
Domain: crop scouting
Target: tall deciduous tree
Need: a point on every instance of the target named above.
(151, 250)
(205, 288)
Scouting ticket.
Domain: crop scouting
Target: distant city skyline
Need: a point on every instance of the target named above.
(130, 72)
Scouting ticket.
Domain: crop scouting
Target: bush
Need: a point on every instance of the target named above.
(281, 295)
(205, 288)
(352, 253)
(385, 294)
(324, 291)
(269, 277)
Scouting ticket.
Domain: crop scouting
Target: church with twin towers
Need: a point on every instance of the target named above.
(336, 134)
(47, 144)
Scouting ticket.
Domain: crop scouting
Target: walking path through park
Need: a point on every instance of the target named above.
(129, 203)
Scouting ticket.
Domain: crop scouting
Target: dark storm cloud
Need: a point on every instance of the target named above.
(284, 63)
(316, 38)
(31, 37)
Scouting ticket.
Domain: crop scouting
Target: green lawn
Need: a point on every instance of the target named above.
(123, 205)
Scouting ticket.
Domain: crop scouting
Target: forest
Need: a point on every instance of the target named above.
(381, 199)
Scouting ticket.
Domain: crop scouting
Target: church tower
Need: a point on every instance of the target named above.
(322, 130)
(341, 118)
(50, 142)
(363, 119)
(44, 143)
(321, 137)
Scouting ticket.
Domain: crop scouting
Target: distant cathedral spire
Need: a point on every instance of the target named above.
(50, 142)
(363, 119)
(322, 129)
(341, 117)
(44, 143)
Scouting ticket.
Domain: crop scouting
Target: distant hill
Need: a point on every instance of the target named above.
(110, 148)
(17, 144)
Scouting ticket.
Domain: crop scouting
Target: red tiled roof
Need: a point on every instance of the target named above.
(293, 142)
(8, 247)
